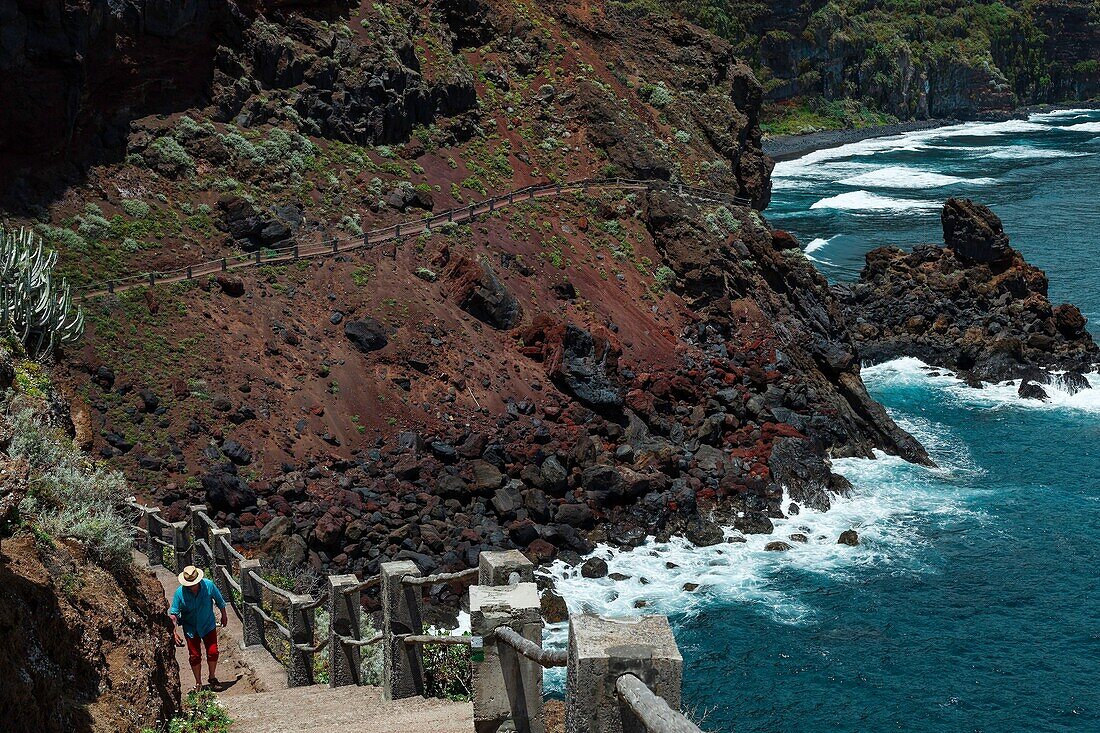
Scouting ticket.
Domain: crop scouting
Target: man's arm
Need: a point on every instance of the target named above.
(174, 613)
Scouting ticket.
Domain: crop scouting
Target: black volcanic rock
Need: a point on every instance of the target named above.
(366, 335)
(975, 307)
(974, 232)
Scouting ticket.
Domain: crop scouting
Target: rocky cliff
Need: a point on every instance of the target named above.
(81, 648)
(972, 305)
(938, 59)
(599, 366)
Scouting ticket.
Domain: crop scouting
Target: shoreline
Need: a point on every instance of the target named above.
(789, 147)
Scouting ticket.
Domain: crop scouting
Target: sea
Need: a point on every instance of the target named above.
(972, 603)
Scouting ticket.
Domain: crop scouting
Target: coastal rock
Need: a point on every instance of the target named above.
(974, 232)
(848, 537)
(778, 546)
(594, 567)
(366, 335)
(975, 307)
(1031, 391)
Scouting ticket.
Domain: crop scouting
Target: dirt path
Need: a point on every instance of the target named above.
(241, 671)
(320, 709)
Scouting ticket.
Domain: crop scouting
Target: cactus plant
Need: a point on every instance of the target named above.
(33, 308)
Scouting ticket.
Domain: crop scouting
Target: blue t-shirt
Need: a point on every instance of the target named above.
(195, 610)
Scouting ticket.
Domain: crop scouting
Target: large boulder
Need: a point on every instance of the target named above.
(478, 291)
(366, 335)
(974, 232)
(226, 491)
(252, 227)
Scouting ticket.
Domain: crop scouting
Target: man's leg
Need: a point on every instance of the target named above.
(211, 643)
(194, 658)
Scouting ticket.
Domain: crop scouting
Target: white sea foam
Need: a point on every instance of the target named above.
(1058, 114)
(817, 244)
(1003, 395)
(1025, 152)
(1008, 127)
(861, 200)
(900, 176)
(1083, 127)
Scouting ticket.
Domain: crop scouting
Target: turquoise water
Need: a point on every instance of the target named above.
(972, 603)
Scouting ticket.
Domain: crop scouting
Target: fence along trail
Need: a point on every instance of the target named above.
(397, 232)
(622, 674)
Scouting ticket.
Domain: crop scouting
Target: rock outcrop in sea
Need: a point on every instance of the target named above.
(973, 305)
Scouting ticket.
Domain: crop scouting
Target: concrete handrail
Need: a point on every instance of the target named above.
(652, 710)
(547, 658)
(393, 232)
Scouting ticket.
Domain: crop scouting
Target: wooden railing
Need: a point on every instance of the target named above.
(622, 674)
(396, 232)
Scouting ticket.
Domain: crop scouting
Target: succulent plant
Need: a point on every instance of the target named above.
(32, 307)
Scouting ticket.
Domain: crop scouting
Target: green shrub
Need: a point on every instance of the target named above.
(166, 152)
(665, 276)
(202, 713)
(136, 208)
(447, 670)
(68, 495)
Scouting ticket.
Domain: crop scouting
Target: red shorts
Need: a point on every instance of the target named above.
(195, 645)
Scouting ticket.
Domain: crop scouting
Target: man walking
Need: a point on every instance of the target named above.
(192, 610)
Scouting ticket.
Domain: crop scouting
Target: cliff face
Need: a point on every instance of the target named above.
(599, 366)
(930, 59)
(81, 649)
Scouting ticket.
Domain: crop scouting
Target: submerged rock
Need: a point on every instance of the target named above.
(848, 537)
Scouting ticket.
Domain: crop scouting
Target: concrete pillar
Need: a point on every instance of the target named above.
(181, 544)
(251, 592)
(402, 664)
(507, 686)
(600, 651)
(220, 561)
(496, 568)
(199, 531)
(300, 622)
(343, 612)
(153, 549)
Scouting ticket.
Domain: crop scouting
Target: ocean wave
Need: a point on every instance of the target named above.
(1083, 127)
(818, 243)
(1003, 395)
(1058, 114)
(866, 201)
(985, 129)
(1026, 152)
(899, 176)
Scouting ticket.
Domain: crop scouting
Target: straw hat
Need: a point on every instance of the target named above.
(191, 575)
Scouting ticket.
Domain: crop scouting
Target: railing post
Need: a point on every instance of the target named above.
(199, 531)
(251, 593)
(496, 568)
(189, 273)
(300, 622)
(507, 686)
(111, 286)
(603, 649)
(402, 664)
(259, 253)
(152, 279)
(450, 214)
(343, 612)
(153, 549)
(295, 251)
(492, 205)
(335, 245)
(181, 545)
(221, 560)
(225, 265)
(397, 231)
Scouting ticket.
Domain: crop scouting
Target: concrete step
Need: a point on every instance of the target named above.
(320, 709)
